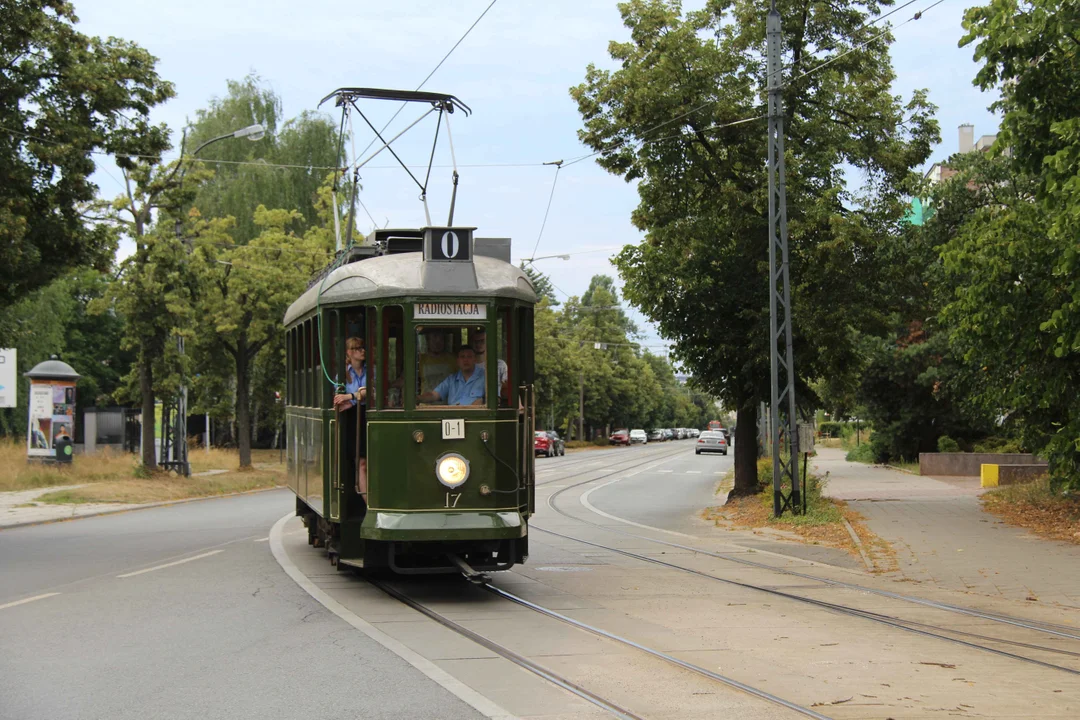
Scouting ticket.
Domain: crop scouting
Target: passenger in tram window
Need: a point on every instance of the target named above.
(436, 359)
(480, 343)
(465, 387)
(355, 376)
(356, 393)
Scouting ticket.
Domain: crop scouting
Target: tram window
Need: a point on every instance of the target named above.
(448, 370)
(506, 372)
(392, 363)
(335, 351)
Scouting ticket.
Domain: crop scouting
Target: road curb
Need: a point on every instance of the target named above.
(146, 506)
(485, 706)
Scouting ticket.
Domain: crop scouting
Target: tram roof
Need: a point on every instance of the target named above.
(400, 275)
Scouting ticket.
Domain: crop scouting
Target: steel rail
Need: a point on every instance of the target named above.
(1026, 623)
(655, 653)
(502, 650)
(892, 621)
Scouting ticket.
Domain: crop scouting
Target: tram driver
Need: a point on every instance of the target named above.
(465, 387)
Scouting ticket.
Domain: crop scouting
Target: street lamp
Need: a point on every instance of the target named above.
(179, 460)
(545, 257)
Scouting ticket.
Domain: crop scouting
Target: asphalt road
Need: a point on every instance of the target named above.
(669, 496)
(222, 633)
(182, 612)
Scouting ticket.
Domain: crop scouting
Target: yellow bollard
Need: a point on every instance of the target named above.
(989, 475)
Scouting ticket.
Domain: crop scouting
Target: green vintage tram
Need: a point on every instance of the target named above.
(446, 487)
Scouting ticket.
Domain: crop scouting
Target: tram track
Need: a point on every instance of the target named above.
(564, 682)
(923, 629)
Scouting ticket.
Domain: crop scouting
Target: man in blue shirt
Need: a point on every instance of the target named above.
(355, 377)
(465, 387)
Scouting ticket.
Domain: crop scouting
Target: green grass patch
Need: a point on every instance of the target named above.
(61, 497)
(820, 510)
(861, 453)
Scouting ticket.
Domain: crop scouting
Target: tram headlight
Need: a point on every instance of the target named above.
(452, 470)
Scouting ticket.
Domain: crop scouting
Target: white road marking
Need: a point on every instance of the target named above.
(175, 562)
(27, 600)
(693, 472)
(585, 501)
(265, 539)
(665, 471)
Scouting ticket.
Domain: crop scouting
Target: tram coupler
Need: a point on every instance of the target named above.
(471, 575)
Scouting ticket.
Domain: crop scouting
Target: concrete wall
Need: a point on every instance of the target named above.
(969, 464)
(1010, 474)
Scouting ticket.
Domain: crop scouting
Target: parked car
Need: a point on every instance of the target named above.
(620, 437)
(680, 433)
(656, 435)
(669, 434)
(711, 441)
(694, 432)
(547, 444)
(638, 436)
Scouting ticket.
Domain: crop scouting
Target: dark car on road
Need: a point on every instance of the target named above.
(620, 437)
(548, 443)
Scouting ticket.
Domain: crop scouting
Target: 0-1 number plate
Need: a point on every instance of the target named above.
(453, 429)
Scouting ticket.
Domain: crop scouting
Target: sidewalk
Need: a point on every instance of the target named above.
(942, 536)
(20, 508)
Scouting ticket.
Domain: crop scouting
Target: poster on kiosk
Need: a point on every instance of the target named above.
(51, 413)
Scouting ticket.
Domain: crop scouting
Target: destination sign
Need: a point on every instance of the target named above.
(449, 311)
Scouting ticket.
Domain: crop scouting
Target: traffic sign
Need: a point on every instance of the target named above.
(9, 389)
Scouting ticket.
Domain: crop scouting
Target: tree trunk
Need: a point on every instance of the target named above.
(746, 451)
(146, 388)
(243, 417)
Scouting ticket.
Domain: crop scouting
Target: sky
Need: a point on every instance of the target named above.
(514, 70)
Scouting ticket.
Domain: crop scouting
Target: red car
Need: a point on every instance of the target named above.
(547, 444)
(620, 437)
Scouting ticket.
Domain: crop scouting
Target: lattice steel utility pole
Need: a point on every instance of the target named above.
(785, 435)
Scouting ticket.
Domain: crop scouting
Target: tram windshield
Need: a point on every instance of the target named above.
(452, 366)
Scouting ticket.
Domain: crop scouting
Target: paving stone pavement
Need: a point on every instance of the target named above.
(942, 536)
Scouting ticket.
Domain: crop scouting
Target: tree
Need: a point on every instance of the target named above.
(155, 285)
(541, 283)
(245, 290)
(308, 143)
(63, 97)
(1015, 261)
(701, 273)
(53, 320)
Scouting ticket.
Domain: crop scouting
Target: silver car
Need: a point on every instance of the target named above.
(711, 441)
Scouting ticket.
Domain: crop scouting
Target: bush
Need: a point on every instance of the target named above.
(601, 442)
(999, 445)
(831, 429)
(863, 453)
(946, 444)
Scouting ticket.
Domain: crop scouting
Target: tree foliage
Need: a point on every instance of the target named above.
(308, 143)
(701, 273)
(587, 348)
(63, 97)
(1014, 259)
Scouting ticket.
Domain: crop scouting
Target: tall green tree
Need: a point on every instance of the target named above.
(1015, 262)
(244, 291)
(63, 97)
(155, 285)
(308, 143)
(665, 118)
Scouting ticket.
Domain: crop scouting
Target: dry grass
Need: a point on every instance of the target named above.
(1036, 507)
(109, 476)
(823, 523)
(166, 487)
